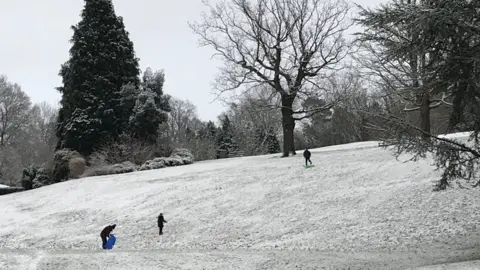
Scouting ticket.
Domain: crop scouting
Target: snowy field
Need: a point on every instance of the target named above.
(358, 208)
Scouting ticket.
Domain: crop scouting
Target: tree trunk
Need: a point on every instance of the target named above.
(288, 124)
(425, 115)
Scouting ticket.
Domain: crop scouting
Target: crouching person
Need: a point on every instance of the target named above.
(106, 234)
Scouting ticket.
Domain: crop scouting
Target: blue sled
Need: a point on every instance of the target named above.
(110, 242)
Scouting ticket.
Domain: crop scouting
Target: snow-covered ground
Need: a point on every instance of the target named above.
(3, 186)
(358, 207)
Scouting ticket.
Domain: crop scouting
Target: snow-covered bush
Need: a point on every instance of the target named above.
(156, 163)
(34, 177)
(42, 178)
(184, 154)
(76, 167)
(124, 167)
(179, 156)
(61, 162)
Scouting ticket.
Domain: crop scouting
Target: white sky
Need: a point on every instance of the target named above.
(35, 42)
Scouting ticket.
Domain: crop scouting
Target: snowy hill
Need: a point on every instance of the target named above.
(358, 207)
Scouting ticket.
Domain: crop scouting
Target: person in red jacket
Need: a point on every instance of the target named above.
(106, 233)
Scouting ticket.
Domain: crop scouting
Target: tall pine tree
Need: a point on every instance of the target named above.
(102, 60)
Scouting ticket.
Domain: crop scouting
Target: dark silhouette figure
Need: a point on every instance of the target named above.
(160, 222)
(106, 233)
(307, 155)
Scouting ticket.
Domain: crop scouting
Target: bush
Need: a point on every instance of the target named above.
(127, 149)
(34, 177)
(184, 154)
(179, 156)
(42, 178)
(28, 174)
(124, 167)
(76, 167)
(4, 191)
(153, 164)
(61, 164)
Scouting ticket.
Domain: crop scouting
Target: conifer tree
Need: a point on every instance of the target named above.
(151, 107)
(273, 145)
(102, 61)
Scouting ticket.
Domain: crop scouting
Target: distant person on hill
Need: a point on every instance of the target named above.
(160, 222)
(307, 155)
(106, 233)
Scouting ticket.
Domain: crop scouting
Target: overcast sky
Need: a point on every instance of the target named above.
(35, 34)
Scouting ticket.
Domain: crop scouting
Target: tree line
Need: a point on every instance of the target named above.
(293, 77)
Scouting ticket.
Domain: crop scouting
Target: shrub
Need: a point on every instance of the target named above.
(76, 167)
(34, 177)
(4, 191)
(42, 178)
(126, 149)
(28, 174)
(124, 167)
(156, 163)
(179, 156)
(61, 162)
(184, 154)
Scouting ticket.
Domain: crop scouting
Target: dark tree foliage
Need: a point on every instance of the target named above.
(151, 108)
(273, 145)
(102, 60)
(225, 139)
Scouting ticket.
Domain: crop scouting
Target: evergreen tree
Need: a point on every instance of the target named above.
(273, 145)
(146, 117)
(225, 139)
(448, 57)
(154, 81)
(151, 107)
(102, 60)
(210, 131)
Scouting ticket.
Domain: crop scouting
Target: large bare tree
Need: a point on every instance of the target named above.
(288, 45)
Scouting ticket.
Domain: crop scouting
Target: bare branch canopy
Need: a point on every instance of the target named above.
(287, 45)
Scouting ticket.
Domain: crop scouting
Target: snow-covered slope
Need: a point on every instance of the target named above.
(358, 207)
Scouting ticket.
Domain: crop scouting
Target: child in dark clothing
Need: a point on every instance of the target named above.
(160, 222)
(307, 155)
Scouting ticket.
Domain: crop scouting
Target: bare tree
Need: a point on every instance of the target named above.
(15, 114)
(14, 110)
(183, 116)
(288, 45)
(251, 116)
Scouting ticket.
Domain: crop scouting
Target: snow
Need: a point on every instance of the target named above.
(358, 207)
(3, 186)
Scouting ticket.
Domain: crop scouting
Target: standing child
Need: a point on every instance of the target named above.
(307, 155)
(161, 220)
